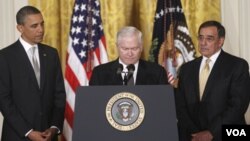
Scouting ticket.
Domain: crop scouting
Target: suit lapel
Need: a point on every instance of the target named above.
(196, 77)
(117, 79)
(214, 74)
(24, 60)
(140, 73)
(42, 58)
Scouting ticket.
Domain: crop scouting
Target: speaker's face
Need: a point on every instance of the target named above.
(129, 50)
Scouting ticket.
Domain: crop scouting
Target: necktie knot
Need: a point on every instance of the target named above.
(32, 50)
(207, 64)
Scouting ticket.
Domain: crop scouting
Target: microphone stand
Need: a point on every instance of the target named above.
(131, 69)
(127, 75)
(120, 71)
(125, 79)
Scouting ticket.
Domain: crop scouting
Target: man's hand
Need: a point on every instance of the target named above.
(36, 136)
(202, 136)
(49, 134)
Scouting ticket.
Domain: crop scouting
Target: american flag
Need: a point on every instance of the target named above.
(172, 45)
(86, 49)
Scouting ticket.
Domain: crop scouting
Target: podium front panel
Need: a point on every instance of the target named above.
(91, 123)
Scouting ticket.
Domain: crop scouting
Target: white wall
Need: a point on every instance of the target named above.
(236, 19)
(8, 32)
(8, 9)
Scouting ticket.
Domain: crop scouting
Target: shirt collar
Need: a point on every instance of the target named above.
(213, 58)
(125, 66)
(25, 44)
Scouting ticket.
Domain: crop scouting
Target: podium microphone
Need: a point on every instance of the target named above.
(131, 69)
(119, 69)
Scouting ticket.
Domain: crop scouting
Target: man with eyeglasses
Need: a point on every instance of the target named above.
(128, 66)
(213, 89)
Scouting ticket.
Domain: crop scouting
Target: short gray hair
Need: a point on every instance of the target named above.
(128, 31)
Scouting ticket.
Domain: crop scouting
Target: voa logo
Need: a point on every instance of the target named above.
(236, 132)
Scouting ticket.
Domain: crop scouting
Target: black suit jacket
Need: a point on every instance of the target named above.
(148, 74)
(225, 99)
(23, 104)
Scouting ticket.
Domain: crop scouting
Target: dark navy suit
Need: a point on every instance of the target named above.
(225, 99)
(148, 74)
(23, 104)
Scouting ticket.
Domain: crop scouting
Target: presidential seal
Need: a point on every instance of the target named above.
(125, 111)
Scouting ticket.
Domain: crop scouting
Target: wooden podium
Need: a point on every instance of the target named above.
(125, 113)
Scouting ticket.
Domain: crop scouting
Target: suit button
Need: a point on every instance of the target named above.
(40, 113)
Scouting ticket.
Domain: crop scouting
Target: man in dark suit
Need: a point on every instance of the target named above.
(225, 97)
(32, 94)
(129, 69)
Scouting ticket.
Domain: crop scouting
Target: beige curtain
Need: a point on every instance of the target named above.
(198, 11)
(119, 13)
(116, 14)
(57, 15)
